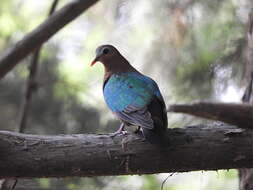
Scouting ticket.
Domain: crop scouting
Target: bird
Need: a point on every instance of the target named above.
(134, 98)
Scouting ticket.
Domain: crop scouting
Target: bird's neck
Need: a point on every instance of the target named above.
(120, 66)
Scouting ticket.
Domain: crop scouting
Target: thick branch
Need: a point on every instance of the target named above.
(193, 148)
(42, 33)
(240, 115)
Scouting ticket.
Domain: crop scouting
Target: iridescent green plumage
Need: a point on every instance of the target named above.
(130, 89)
(133, 97)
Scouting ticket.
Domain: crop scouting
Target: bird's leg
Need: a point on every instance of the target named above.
(121, 130)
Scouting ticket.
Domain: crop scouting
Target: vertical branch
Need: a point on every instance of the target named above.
(31, 81)
(31, 87)
(247, 97)
(249, 51)
(246, 175)
(53, 6)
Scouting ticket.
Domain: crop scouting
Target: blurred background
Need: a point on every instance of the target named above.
(194, 49)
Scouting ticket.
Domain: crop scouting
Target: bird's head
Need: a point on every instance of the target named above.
(106, 54)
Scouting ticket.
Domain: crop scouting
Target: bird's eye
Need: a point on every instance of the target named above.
(106, 51)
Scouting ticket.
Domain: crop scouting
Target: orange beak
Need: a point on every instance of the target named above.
(94, 61)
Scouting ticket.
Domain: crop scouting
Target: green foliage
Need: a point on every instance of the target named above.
(206, 44)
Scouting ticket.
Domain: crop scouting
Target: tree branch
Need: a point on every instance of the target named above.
(193, 148)
(42, 33)
(32, 84)
(240, 115)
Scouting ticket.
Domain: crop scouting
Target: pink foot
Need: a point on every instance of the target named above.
(120, 131)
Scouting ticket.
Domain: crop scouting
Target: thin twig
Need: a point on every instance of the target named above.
(164, 181)
(31, 81)
(30, 88)
(53, 7)
(14, 185)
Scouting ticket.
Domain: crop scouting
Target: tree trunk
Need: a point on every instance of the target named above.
(246, 175)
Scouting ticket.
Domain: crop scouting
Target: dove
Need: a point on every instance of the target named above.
(134, 98)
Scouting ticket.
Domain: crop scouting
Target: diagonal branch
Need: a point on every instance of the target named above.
(42, 33)
(194, 148)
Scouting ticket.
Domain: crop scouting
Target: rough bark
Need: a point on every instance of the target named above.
(194, 148)
(42, 33)
(240, 115)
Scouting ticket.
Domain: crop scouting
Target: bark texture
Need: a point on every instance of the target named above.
(239, 114)
(194, 148)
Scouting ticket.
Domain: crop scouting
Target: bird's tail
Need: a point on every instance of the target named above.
(156, 136)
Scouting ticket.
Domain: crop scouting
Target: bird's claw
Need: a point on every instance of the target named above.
(123, 132)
